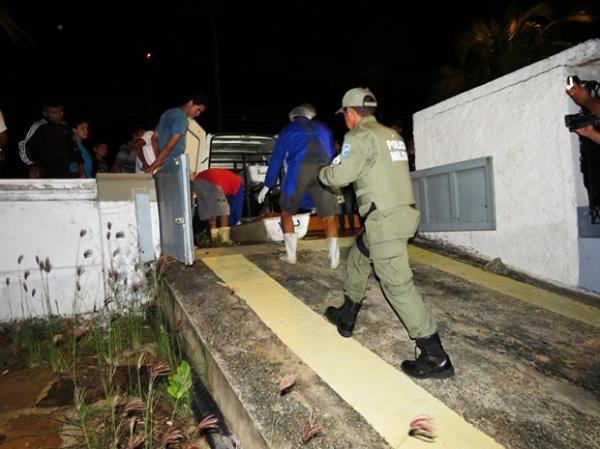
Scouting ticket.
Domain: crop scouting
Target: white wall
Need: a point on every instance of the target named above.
(46, 218)
(519, 121)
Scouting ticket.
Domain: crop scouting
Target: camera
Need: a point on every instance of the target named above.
(585, 117)
(581, 119)
(592, 86)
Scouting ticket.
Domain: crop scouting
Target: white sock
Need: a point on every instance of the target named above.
(291, 243)
(224, 233)
(334, 252)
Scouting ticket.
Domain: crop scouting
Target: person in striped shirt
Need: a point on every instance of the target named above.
(47, 149)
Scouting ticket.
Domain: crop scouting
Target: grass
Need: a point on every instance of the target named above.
(157, 389)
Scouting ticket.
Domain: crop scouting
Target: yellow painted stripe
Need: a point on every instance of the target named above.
(536, 296)
(528, 293)
(265, 248)
(384, 396)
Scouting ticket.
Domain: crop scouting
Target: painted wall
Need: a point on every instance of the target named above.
(519, 121)
(65, 223)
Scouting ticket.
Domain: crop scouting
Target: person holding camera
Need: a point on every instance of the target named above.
(582, 97)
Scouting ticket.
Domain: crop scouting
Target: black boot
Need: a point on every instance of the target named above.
(432, 361)
(344, 316)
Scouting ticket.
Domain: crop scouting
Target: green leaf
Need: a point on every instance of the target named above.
(180, 382)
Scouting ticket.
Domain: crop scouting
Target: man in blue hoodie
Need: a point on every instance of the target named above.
(303, 146)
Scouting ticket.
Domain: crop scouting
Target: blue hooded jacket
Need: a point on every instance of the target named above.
(301, 141)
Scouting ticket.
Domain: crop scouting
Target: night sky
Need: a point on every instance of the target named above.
(273, 55)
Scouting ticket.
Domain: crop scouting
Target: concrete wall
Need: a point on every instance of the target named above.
(67, 222)
(519, 121)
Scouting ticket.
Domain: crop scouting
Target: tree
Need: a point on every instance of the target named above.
(492, 48)
(15, 34)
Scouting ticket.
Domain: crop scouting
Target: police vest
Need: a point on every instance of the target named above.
(385, 179)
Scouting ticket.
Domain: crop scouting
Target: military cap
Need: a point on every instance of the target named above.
(360, 97)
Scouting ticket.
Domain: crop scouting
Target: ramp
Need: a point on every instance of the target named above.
(247, 321)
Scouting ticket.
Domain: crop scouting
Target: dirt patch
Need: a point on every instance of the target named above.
(31, 430)
(22, 388)
(75, 379)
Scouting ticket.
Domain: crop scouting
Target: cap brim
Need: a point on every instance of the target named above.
(340, 110)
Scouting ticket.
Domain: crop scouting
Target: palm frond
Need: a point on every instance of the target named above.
(15, 33)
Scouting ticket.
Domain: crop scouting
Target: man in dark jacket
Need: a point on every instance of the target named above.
(48, 148)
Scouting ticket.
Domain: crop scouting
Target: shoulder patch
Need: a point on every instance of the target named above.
(345, 150)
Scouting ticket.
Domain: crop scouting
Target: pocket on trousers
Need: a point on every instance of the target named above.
(396, 224)
(406, 221)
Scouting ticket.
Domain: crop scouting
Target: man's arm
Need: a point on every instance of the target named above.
(580, 95)
(24, 152)
(164, 153)
(276, 160)
(347, 165)
(590, 132)
(33, 148)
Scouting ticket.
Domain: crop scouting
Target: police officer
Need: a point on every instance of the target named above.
(373, 158)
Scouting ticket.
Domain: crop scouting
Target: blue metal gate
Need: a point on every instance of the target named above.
(175, 210)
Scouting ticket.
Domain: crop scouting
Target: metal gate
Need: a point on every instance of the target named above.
(175, 210)
(456, 197)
